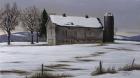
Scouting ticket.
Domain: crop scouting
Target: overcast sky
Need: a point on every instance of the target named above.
(126, 12)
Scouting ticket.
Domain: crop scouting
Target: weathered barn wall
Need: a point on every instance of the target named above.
(77, 35)
(51, 39)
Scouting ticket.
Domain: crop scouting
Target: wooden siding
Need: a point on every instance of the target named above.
(77, 35)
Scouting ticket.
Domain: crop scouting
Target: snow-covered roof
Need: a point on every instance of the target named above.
(75, 21)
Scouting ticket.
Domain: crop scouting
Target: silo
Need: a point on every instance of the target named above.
(108, 33)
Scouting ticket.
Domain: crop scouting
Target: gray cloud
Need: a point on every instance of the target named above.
(126, 12)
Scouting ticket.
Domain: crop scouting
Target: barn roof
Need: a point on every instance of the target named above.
(75, 21)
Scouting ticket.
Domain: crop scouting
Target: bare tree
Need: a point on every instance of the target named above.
(31, 21)
(9, 19)
(37, 27)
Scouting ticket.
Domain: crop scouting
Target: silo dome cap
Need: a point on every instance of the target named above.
(108, 14)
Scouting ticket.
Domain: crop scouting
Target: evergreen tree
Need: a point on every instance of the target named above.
(44, 19)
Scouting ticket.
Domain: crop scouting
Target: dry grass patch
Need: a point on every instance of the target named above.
(131, 67)
(71, 69)
(100, 52)
(123, 49)
(46, 74)
(15, 62)
(67, 61)
(85, 60)
(97, 54)
(82, 57)
(91, 55)
(46, 69)
(49, 75)
(100, 70)
(57, 65)
(20, 72)
(104, 71)
(61, 67)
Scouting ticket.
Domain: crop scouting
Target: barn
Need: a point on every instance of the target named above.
(62, 29)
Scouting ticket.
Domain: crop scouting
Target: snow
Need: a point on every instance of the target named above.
(75, 21)
(30, 58)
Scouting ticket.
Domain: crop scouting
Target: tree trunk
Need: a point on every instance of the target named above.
(9, 37)
(37, 37)
(32, 37)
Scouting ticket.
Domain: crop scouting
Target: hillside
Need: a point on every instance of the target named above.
(19, 37)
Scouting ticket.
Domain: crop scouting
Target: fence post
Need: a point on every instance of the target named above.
(26, 77)
(42, 69)
(133, 62)
(100, 64)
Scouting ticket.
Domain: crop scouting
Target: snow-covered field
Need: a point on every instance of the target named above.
(80, 59)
